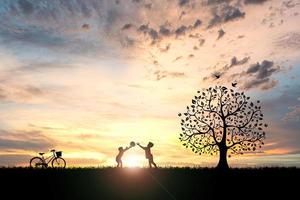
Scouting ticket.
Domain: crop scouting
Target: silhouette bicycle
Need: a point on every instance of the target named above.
(56, 160)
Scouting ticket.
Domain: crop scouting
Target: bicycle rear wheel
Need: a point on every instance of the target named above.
(37, 162)
(58, 163)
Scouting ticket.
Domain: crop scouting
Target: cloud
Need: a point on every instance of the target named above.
(24, 140)
(85, 26)
(33, 35)
(61, 28)
(127, 26)
(11, 92)
(41, 9)
(263, 70)
(201, 42)
(10, 159)
(290, 4)
(293, 115)
(23, 145)
(195, 36)
(26, 6)
(284, 130)
(165, 74)
(214, 2)
(232, 14)
(221, 33)
(143, 28)
(146, 30)
(33, 90)
(166, 30)
(177, 58)
(181, 30)
(166, 48)
(136, 1)
(269, 85)
(182, 14)
(197, 23)
(128, 42)
(183, 2)
(264, 84)
(153, 34)
(57, 26)
(2, 94)
(259, 75)
(36, 127)
(252, 81)
(290, 40)
(235, 61)
(39, 65)
(224, 13)
(148, 6)
(286, 98)
(254, 1)
(163, 30)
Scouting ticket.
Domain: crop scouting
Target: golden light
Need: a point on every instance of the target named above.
(132, 161)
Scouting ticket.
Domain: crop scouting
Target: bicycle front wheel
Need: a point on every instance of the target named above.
(58, 163)
(37, 162)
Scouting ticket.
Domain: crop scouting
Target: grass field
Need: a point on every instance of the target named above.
(139, 183)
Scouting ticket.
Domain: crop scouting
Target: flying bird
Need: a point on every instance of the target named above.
(234, 84)
(217, 75)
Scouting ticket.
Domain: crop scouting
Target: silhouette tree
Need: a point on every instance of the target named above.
(222, 121)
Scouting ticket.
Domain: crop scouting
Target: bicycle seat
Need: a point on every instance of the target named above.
(41, 154)
(52, 150)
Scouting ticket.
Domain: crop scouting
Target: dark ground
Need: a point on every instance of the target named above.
(165, 183)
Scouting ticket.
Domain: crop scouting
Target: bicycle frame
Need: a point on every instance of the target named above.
(50, 158)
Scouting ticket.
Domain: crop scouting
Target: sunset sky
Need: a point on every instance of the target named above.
(88, 76)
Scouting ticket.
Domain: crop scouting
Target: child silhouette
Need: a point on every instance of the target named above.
(121, 152)
(148, 154)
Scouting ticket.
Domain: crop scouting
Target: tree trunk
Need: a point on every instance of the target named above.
(223, 158)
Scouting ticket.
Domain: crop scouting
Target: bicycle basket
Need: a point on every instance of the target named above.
(58, 153)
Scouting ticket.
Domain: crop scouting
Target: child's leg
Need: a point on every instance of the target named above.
(154, 164)
(121, 164)
(149, 161)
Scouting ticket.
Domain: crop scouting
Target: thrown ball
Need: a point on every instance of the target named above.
(132, 144)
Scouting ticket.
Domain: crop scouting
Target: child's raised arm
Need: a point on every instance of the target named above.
(127, 148)
(141, 146)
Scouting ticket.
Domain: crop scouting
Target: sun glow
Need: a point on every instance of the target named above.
(132, 161)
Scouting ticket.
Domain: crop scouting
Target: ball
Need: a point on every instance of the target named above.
(132, 144)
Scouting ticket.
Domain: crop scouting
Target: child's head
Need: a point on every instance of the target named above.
(150, 144)
(120, 148)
